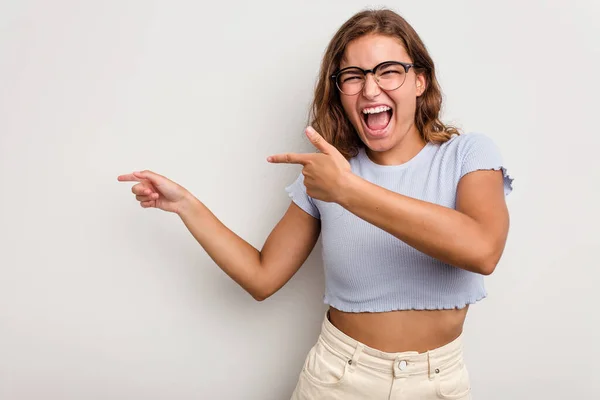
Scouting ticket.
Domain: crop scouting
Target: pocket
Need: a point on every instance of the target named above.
(453, 382)
(324, 366)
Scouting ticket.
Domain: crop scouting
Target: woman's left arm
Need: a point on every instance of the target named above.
(472, 237)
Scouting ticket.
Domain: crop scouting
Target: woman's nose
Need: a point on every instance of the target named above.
(371, 88)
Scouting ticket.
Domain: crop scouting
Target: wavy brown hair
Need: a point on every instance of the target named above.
(327, 114)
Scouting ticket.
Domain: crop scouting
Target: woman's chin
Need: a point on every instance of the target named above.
(379, 147)
(380, 141)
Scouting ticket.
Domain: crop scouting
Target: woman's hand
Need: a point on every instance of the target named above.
(156, 191)
(325, 173)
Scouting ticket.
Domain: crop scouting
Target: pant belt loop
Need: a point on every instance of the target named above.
(430, 376)
(354, 360)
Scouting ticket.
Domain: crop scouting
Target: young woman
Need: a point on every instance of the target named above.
(412, 216)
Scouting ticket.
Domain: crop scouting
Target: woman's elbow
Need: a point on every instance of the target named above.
(262, 292)
(261, 295)
(487, 260)
(487, 268)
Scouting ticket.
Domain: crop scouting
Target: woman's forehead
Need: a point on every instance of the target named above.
(370, 50)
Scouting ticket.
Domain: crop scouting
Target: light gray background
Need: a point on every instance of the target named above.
(101, 299)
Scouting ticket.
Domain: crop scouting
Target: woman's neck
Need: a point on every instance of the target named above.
(408, 147)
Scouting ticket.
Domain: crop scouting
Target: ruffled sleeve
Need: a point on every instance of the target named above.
(479, 152)
(297, 192)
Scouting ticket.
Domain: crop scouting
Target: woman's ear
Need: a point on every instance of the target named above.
(421, 84)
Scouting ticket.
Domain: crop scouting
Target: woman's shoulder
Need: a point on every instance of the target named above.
(461, 147)
(467, 142)
(474, 151)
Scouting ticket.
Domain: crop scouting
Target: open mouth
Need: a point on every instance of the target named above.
(377, 119)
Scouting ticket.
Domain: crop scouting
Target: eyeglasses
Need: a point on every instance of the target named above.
(389, 75)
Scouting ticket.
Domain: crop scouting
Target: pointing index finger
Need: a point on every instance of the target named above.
(289, 158)
(128, 178)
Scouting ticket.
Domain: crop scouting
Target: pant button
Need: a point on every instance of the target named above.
(402, 365)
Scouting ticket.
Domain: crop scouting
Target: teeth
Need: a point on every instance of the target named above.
(376, 110)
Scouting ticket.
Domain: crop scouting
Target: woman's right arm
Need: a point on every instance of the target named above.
(260, 273)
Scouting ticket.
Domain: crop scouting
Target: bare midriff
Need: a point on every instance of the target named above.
(399, 331)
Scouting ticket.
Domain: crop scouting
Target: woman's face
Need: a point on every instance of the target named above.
(382, 129)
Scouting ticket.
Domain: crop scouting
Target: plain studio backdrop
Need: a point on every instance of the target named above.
(101, 299)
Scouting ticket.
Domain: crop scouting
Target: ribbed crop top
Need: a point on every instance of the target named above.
(370, 270)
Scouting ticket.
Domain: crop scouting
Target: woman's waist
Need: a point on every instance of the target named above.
(400, 331)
